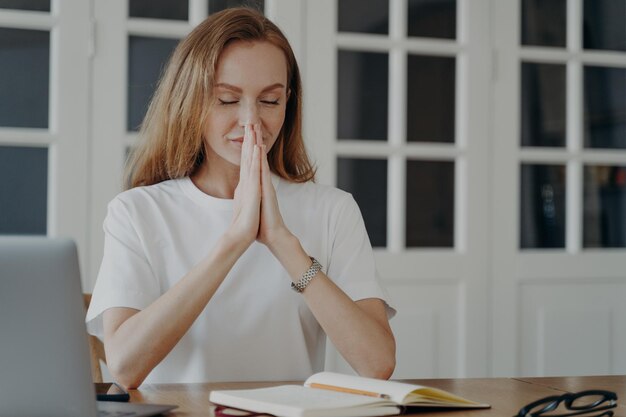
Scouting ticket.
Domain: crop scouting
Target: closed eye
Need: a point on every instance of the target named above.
(272, 103)
(225, 102)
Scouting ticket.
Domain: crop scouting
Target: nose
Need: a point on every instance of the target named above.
(248, 114)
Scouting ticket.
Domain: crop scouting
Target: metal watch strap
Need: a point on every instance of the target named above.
(307, 276)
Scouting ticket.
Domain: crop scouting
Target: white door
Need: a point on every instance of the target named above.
(559, 202)
(396, 112)
(44, 114)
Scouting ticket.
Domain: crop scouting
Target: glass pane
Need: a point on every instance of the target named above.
(366, 180)
(217, 5)
(544, 22)
(543, 104)
(23, 192)
(147, 58)
(432, 19)
(34, 5)
(604, 25)
(430, 99)
(542, 206)
(604, 205)
(24, 77)
(364, 16)
(159, 9)
(605, 107)
(430, 204)
(362, 82)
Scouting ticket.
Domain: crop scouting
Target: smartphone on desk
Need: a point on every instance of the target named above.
(110, 391)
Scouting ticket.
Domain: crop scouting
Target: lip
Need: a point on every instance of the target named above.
(236, 141)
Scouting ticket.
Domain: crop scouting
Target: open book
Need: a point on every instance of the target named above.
(331, 394)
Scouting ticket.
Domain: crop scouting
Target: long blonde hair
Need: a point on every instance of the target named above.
(171, 133)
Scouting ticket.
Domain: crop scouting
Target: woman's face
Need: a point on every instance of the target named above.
(250, 88)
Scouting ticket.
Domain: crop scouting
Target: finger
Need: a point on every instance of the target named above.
(259, 135)
(252, 135)
(265, 169)
(245, 154)
(266, 177)
(255, 166)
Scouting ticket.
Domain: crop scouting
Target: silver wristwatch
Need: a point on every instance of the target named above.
(307, 276)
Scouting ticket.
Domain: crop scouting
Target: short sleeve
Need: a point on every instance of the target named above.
(125, 278)
(351, 263)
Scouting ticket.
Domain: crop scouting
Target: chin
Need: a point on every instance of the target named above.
(234, 160)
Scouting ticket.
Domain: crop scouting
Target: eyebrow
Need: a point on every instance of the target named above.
(239, 90)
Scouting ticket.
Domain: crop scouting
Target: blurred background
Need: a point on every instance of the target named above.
(484, 140)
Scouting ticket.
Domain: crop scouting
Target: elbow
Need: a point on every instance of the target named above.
(387, 365)
(125, 375)
(380, 370)
(129, 383)
(385, 369)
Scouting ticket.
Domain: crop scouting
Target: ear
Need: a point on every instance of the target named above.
(288, 93)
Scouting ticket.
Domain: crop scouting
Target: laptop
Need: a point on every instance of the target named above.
(44, 353)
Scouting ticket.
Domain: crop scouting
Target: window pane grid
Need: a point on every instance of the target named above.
(396, 149)
(576, 157)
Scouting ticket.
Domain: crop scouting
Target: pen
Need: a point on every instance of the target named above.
(349, 390)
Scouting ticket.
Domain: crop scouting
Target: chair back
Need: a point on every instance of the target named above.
(96, 349)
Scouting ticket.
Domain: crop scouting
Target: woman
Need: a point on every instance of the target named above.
(221, 217)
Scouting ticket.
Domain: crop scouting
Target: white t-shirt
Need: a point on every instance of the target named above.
(255, 327)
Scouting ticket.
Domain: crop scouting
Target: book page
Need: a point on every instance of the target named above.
(296, 400)
(398, 392)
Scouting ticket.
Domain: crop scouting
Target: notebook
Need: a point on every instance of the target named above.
(44, 353)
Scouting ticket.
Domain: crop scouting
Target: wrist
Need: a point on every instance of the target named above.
(282, 240)
(289, 252)
(231, 242)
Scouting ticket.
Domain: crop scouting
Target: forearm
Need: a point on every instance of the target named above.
(142, 341)
(366, 344)
(363, 339)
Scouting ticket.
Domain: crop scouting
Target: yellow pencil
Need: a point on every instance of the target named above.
(349, 390)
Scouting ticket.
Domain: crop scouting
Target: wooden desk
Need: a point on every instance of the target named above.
(506, 395)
